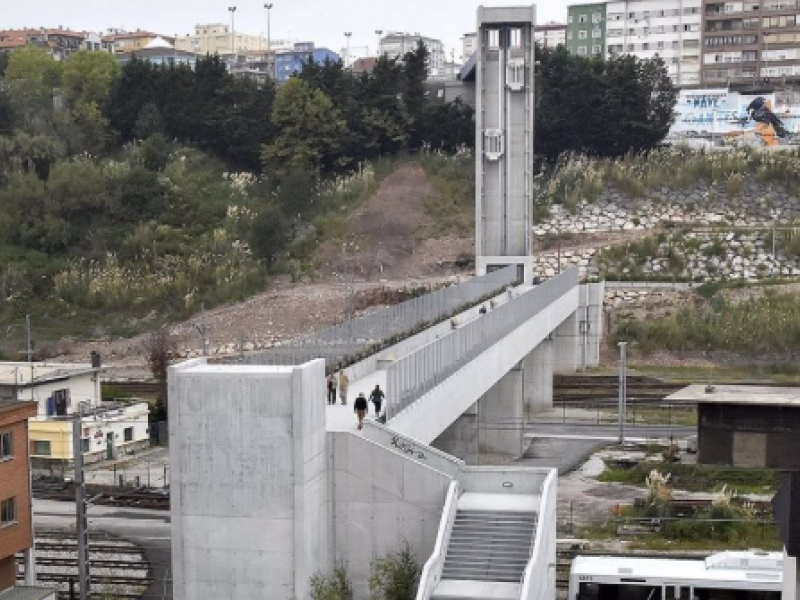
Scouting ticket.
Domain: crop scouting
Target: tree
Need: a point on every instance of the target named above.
(88, 78)
(130, 92)
(268, 233)
(159, 348)
(30, 79)
(601, 107)
(148, 122)
(395, 576)
(6, 114)
(309, 129)
(416, 74)
(448, 127)
(156, 151)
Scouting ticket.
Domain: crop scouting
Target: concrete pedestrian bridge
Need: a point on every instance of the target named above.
(273, 485)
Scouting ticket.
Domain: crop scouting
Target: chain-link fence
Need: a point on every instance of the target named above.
(358, 338)
(416, 374)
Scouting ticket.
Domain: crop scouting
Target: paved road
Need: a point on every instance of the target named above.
(605, 433)
(148, 529)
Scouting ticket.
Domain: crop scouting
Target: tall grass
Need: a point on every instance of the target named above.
(767, 324)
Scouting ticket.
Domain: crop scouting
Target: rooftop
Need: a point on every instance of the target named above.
(751, 567)
(738, 394)
(19, 373)
(24, 592)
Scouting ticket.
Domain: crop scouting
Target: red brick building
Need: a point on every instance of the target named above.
(16, 527)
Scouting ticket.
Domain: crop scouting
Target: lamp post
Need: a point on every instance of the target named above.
(232, 10)
(378, 33)
(271, 71)
(347, 35)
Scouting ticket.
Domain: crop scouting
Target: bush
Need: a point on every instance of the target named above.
(395, 576)
(335, 587)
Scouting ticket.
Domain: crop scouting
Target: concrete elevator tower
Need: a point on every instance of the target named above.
(504, 138)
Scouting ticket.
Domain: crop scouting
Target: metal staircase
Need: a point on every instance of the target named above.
(489, 546)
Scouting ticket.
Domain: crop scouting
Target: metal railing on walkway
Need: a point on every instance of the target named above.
(416, 374)
(356, 338)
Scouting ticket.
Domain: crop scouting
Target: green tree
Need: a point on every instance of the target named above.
(156, 151)
(30, 80)
(268, 233)
(131, 91)
(148, 122)
(416, 74)
(601, 107)
(449, 126)
(4, 57)
(6, 114)
(29, 153)
(395, 576)
(88, 78)
(309, 130)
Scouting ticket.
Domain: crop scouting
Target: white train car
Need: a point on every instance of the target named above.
(725, 576)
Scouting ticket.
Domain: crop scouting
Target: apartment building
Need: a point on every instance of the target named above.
(469, 45)
(397, 44)
(669, 29)
(215, 38)
(754, 40)
(16, 523)
(550, 34)
(586, 29)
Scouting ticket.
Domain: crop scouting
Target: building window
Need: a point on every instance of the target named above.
(582, 34)
(494, 39)
(8, 512)
(515, 38)
(6, 446)
(596, 50)
(582, 50)
(596, 18)
(569, 35)
(569, 19)
(86, 444)
(596, 33)
(41, 448)
(129, 434)
(582, 19)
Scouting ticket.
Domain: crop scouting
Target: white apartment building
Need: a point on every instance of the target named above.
(396, 44)
(469, 45)
(550, 34)
(670, 29)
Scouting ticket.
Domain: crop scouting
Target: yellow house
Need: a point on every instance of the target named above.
(130, 41)
(61, 392)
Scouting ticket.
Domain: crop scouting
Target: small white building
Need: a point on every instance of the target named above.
(63, 390)
(397, 44)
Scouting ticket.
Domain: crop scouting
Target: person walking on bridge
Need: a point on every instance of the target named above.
(344, 384)
(331, 389)
(376, 397)
(361, 406)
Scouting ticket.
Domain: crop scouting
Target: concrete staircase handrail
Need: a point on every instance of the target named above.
(532, 585)
(414, 449)
(432, 571)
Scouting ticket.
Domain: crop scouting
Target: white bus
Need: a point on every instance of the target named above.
(725, 576)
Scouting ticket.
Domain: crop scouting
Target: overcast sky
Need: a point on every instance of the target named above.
(321, 21)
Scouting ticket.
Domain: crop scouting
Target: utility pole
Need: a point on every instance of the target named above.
(80, 507)
(378, 33)
(202, 329)
(623, 389)
(269, 39)
(232, 10)
(348, 35)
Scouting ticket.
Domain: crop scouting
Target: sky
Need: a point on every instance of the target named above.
(321, 21)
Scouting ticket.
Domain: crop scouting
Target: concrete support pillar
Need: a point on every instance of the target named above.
(566, 345)
(501, 415)
(461, 438)
(29, 558)
(537, 379)
(590, 326)
(791, 578)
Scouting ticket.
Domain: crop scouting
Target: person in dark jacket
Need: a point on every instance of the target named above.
(361, 406)
(376, 397)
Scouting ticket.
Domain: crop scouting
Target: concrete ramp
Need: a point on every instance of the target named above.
(429, 389)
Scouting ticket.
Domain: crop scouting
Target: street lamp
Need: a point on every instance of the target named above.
(268, 8)
(379, 33)
(347, 35)
(232, 10)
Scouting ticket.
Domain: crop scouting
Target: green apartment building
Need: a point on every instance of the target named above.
(586, 29)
